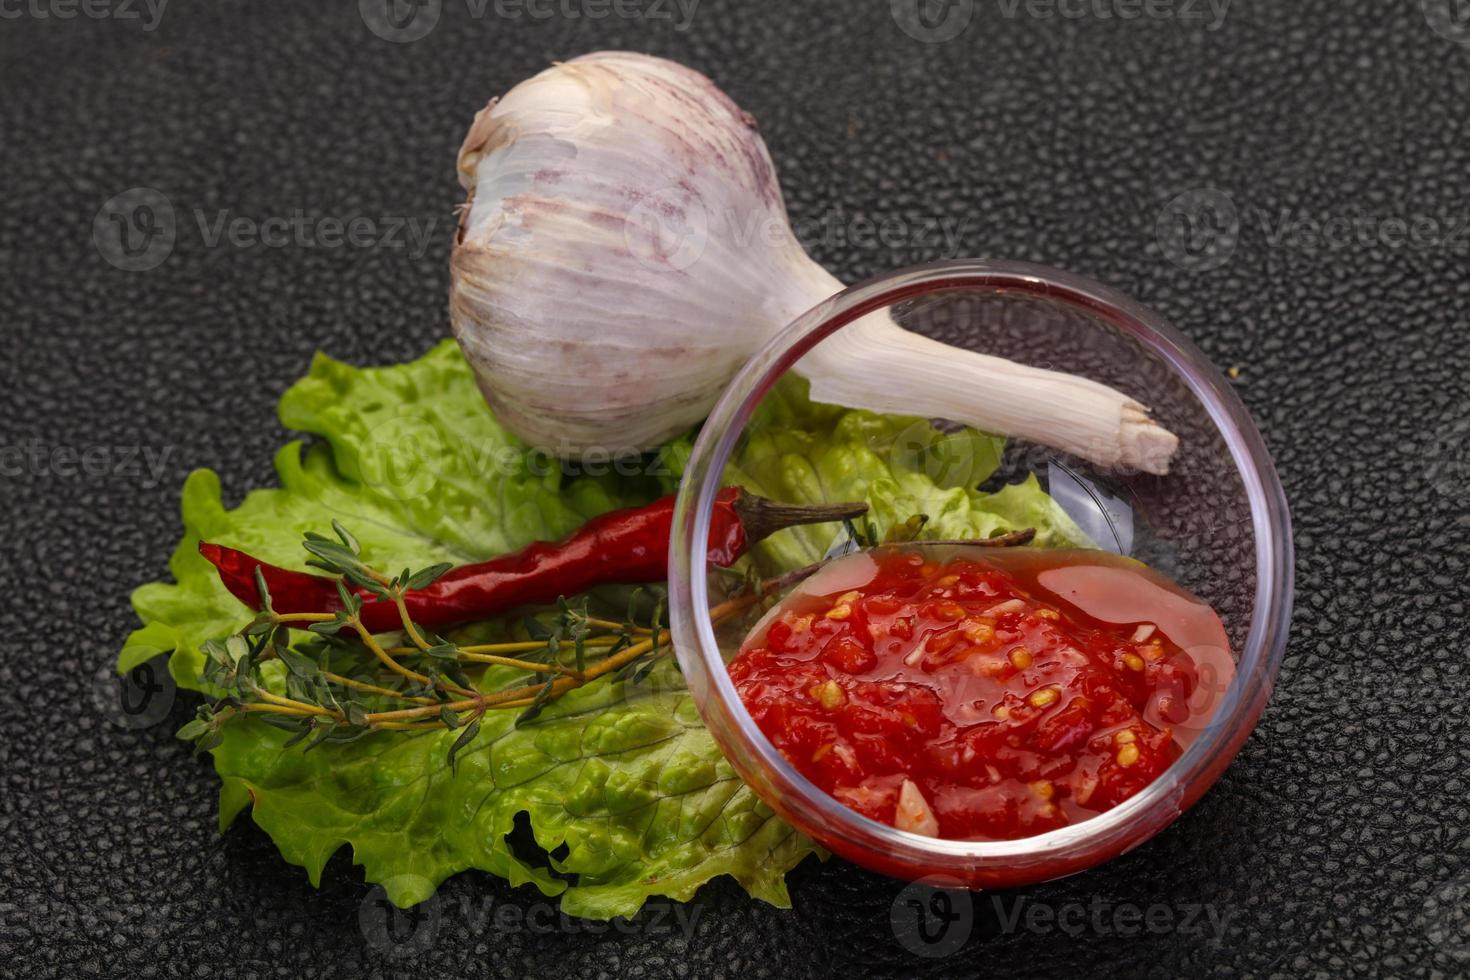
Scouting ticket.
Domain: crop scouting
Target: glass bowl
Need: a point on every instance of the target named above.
(1217, 524)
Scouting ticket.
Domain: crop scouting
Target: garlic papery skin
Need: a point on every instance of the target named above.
(625, 249)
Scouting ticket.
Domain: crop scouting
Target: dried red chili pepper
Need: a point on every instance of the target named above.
(623, 547)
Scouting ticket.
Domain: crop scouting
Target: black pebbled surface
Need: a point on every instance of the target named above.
(1337, 843)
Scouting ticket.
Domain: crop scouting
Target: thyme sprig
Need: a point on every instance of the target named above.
(324, 677)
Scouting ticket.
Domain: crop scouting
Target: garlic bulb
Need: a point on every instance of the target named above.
(625, 248)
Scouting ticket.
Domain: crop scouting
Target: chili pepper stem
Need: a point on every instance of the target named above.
(762, 517)
(1010, 539)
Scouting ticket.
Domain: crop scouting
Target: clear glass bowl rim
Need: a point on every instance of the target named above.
(699, 653)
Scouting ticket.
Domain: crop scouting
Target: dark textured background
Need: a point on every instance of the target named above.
(1337, 843)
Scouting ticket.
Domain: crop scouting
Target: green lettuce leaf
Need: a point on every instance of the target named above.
(624, 788)
(624, 775)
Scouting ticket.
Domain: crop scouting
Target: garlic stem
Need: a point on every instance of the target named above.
(875, 364)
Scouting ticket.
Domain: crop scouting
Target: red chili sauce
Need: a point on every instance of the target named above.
(973, 693)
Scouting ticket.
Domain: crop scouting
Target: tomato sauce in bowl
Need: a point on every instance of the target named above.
(976, 693)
